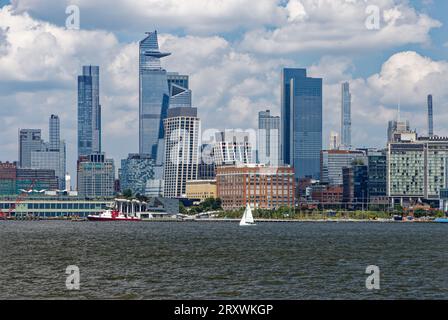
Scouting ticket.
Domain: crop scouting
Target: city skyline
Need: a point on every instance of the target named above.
(235, 104)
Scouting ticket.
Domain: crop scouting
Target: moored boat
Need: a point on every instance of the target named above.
(115, 213)
(112, 215)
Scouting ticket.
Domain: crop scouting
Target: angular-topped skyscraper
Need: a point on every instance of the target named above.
(89, 111)
(301, 122)
(154, 98)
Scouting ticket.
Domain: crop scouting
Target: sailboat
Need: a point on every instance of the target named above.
(248, 218)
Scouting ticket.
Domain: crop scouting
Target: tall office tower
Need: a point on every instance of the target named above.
(96, 176)
(334, 141)
(430, 117)
(268, 140)
(52, 155)
(233, 147)
(54, 132)
(154, 98)
(397, 127)
(182, 127)
(346, 118)
(89, 111)
(301, 122)
(29, 140)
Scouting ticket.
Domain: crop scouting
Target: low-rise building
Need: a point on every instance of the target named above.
(327, 194)
(201, 189)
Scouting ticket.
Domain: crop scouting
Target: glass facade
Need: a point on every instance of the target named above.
(346, 120)
(154, 98)
(52, 155)
(89, 111)
(301, 122)
(268, 141)
(430, 117)
(333, 161)
(29, 140)
(377, 185)
(135, 173)
(96, 176)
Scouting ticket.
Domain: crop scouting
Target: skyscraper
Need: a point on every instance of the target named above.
(430, 117)
(51, 155)
(346, 121)
(29, 140)
(268, 140)
(182, 127)
(154, 98)
(89, 111)
(54, 132)
(96, 176)
(301, 122)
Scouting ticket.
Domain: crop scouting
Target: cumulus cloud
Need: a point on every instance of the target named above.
(231, 79)
(340, 25)
(406, 78)
(42, 62)
(194, 16)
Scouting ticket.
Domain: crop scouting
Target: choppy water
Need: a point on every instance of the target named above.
(223, 260)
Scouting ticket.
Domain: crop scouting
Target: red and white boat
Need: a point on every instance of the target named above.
(112, 215)
(116, 213)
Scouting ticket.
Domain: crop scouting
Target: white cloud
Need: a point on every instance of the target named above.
(406, 78)
(39, 63)
(339, 26)
(195, 16)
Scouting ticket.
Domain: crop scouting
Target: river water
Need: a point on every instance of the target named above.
(222, 260)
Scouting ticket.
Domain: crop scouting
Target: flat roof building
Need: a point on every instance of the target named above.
(257, 185)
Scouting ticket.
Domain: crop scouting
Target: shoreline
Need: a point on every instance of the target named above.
(231, 220)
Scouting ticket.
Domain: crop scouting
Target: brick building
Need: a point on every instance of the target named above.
(260, 186)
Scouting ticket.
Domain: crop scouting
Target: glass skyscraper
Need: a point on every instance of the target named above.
(346, 118)
(154, 98)
(29, 140)
(301, 122)
(268, 139)
(135, 173)
(430, 117)
(89, 111)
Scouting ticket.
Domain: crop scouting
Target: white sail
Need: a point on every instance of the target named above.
(248, 218)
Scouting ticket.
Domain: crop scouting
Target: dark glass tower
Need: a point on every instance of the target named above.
(301, 122)
(430, 117)
(89, 111)
(154, 98)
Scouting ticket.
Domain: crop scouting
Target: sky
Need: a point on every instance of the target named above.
(233, 51)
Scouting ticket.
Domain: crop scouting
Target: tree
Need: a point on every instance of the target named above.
(127, 193)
